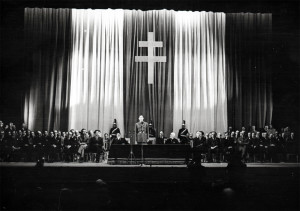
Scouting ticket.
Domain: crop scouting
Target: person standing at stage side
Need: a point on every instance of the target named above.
(172, 139)
(114, 130)
(141, 131)
(161, 138)
(183, 134)
(96, 144)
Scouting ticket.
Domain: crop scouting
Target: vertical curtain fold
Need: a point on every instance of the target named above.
(47, 39)
(199, 71)
(84, 74)
(96, 96)
(155, 101)
(249, 87)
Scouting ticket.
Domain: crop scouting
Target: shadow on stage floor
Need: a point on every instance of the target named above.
(92, 186)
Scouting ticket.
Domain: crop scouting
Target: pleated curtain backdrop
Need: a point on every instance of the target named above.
(47, 41)
(96, 94)
(155, 101)
(84, 73)
(249, 66)
(199, 71)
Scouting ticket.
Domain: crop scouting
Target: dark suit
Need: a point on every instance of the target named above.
(96, 146)
(172, 141)
(141, 130)
(152, 132)
(160, 140)
(119, 141)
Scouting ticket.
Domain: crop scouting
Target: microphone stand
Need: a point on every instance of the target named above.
(131, 156)
(142, 148)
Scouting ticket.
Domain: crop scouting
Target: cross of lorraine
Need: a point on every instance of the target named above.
(150, 44)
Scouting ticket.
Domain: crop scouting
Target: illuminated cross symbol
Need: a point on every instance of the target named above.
(150, 44)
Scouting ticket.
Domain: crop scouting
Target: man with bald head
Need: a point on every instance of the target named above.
(172, 139)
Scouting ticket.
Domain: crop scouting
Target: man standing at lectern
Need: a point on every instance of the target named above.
(141, 131)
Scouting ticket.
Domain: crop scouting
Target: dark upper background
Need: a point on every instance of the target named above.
(286, 44)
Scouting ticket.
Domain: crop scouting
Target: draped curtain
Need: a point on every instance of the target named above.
(191, 85)
(154, 102)
(199, 71)
(84, 74)
(47, 41)
(96, 94)
(249, 87)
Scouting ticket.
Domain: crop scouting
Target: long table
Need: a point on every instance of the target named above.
(156, 154)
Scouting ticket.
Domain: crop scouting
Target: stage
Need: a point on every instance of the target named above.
(259, 186)
(105, 165)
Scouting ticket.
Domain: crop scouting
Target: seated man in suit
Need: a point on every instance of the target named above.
(213, 147)
(152, 133)
(96, 144)
(83, 141)
(172, 139)
(119, 140)
(161, 138)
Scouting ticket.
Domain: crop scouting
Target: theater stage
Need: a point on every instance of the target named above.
(91, 164)
(261, 186)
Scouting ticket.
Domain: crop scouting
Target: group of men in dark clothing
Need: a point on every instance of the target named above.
(56, 145)
(265, 145)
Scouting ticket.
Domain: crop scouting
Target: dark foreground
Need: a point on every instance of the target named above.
(149, 188)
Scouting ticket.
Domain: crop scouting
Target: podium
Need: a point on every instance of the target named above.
(152, 154)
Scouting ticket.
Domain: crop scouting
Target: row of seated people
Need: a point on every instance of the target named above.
(213, 145)
(251, 146)
(35, 145)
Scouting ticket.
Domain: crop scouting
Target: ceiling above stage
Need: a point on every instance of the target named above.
(262, 6)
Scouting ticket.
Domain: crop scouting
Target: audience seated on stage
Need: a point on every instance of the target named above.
(262, 145)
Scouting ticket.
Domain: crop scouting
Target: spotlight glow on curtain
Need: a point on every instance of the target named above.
(199, 71)
(96, 94)
(84, 74)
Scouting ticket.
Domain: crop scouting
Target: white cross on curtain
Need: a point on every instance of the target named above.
(193, 44)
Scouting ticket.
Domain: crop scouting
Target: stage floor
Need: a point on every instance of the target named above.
(89, 164)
